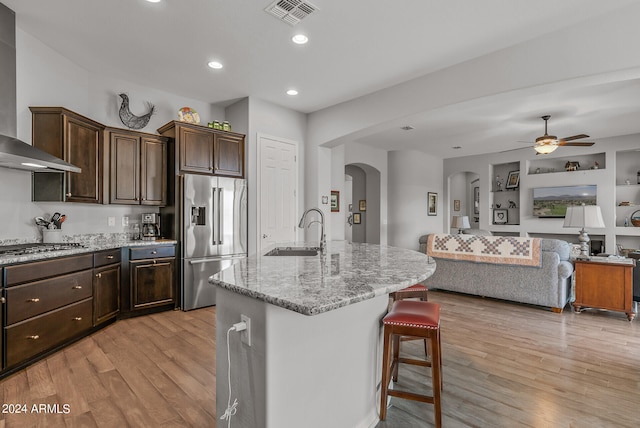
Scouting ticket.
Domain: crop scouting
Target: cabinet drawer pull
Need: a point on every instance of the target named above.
(34, 300)
(99, 275)
(68, 195)
(77, 318)
(154, 252)
(34, 337)
(77, 287)
(110, 257)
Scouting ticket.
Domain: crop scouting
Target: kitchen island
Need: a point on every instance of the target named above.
(314, 357)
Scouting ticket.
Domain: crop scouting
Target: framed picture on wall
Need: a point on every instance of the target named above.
(356, 218)
(456, 204)
(432, 207)
(363, 205)
(335, 201)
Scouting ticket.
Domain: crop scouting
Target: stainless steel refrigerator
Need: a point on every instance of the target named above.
(214, 233)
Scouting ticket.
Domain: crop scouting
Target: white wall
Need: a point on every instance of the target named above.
(411, 176)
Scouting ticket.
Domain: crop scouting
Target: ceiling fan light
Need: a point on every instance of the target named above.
(545, 149)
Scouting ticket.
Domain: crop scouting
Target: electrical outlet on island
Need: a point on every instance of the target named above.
(111, 221)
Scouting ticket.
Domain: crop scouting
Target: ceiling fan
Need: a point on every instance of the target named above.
(548, 143)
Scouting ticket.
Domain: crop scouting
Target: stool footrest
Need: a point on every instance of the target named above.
(423, 363)
(411, 396)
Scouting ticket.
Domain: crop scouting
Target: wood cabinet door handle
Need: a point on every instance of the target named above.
(99, 275)
(33, 337)
(77, 318)
(154, 252)
(34, 300)
(68, 195)
(110, 257)
(77, 287)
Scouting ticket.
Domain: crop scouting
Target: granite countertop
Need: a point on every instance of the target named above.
(310, 285)
(87, 247)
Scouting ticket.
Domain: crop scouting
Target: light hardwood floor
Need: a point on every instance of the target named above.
(505, 365)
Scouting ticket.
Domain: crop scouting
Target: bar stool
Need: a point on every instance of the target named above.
(414, 319)
(416, 291)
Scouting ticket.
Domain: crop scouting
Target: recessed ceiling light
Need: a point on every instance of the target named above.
(215, 64)
(154, 1)
(300, 39)
(292, 92)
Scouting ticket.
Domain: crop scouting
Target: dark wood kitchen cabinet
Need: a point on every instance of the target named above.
(152, 279)
(106, 285)
(75, 139)
(204, 150)
(138, 168)
(48, 303)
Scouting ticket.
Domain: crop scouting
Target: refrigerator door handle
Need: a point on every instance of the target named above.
(214, 209)
(201, 261)
(220, 215)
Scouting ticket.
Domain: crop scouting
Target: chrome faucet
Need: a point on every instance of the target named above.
(323, 241)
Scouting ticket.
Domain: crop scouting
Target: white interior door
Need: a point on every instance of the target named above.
(278, 191)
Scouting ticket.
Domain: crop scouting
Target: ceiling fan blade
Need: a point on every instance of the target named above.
(574, 137)
(579, 144)
(519, 148)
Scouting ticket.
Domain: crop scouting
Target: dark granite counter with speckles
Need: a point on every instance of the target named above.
(310, 285)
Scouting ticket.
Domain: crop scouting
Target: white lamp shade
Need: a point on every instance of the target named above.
(460, 222)
(583, 216)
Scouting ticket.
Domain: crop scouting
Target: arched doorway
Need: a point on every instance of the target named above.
(464, 197)
(365, 203)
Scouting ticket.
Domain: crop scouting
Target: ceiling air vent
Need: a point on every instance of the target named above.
(407, 128)
(291, 11)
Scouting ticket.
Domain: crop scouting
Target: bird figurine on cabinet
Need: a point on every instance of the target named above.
(130, 120)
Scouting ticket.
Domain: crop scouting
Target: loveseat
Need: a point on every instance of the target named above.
(547, 285)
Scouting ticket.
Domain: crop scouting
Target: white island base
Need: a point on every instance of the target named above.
(300, 371)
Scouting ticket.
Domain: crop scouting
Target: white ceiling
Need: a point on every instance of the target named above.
(356, 47)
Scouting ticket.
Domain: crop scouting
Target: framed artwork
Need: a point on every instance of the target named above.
(476, 200)
(356, 218)
(432, 204)
(335, 201)
(500, 216)
(513, 181)
(363, 205)
(456, 204)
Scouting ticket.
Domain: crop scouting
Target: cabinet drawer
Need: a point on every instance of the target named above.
(35, 298)
(31, 337)
(153, 252)
(32, 271)
(108, 257)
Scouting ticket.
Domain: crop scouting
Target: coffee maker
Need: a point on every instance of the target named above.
(150, 226)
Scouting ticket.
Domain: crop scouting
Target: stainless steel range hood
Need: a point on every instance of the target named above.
(17, 154)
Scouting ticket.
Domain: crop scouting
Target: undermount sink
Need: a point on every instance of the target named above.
(294, 251)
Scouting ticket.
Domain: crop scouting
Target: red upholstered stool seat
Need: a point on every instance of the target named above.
(416, 291)
(416, 319)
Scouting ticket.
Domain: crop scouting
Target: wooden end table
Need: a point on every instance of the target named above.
(605, 284)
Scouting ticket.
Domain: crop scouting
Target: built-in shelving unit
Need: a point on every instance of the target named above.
(505, 202)
(627, 198)
(559, 165)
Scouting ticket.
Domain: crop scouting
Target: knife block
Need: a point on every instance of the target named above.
(51, 236)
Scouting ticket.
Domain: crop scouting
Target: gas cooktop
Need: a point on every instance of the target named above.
(35, 248)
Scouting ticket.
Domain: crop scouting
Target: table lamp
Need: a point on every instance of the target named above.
(583, 216)
(460, 222)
